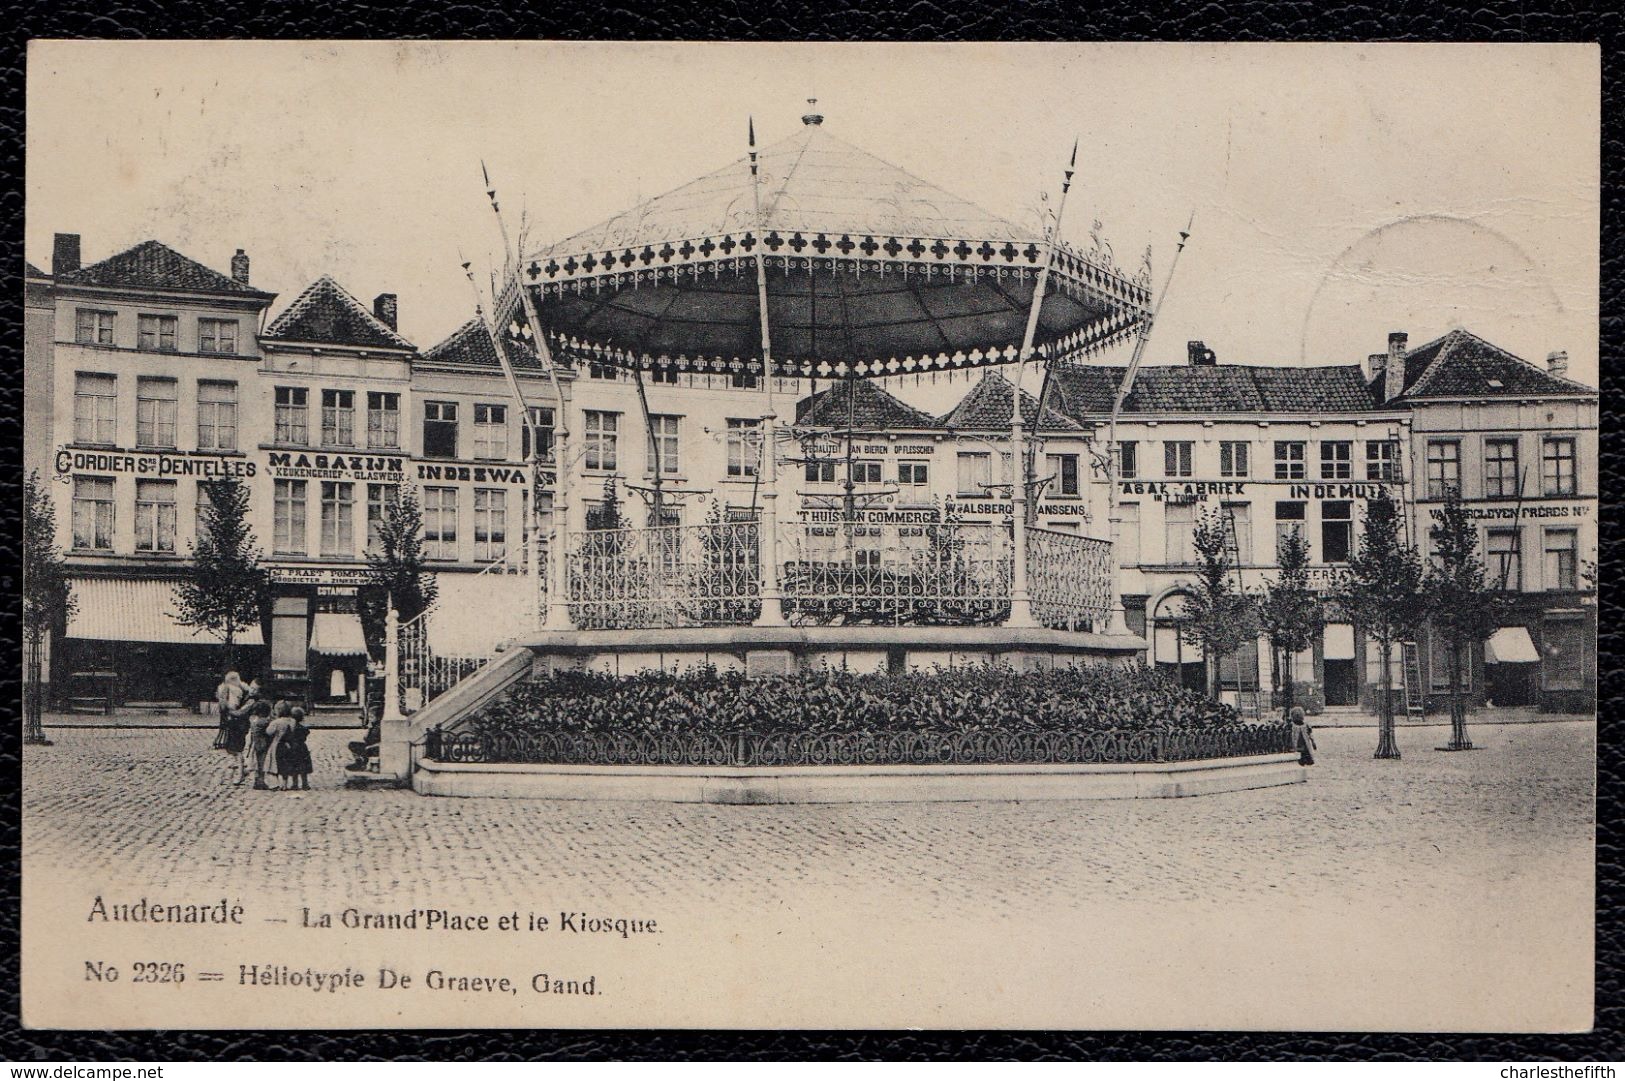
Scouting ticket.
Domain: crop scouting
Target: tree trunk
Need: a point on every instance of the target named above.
(1211, 664)
(1458, 708)
(1387, 747)
(231, 649)
(1285, 677)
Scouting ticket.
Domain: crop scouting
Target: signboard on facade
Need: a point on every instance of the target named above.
(1339, 490)
(152, 464)
(1190, 491)
(298, 465)
(439, 473)
(304, 574)
(1194, 491)
(1515, 513)
(907, 449)
(1005, 508)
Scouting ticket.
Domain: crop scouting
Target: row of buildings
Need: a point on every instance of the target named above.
(148, 372)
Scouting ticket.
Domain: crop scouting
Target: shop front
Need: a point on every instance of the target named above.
(1568, 656)
(1511, 667)
(318, 653)
(123, 648)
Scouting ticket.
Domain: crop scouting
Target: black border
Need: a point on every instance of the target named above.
(839, 20)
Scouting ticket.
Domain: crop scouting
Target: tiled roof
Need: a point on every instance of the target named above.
(151, 265)
(1085, 389)
(33, 271)
(987, 406)
(469, 346)
(1463, 365)
(324, 314)
(1218, 388)
(1339, 388)
(1234, 388)
(869, 408)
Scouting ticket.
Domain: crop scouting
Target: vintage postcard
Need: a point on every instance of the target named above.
(576, 535)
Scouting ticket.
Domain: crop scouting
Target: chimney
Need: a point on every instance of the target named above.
(1393, 376)
(1198, 353)
(386, 307)
(1558, 363)
(1375, 365)
(65, 253)
(239, 267)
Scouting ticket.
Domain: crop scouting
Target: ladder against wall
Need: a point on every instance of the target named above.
(1415, 705)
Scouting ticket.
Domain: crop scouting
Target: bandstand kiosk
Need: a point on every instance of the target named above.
(809, 259)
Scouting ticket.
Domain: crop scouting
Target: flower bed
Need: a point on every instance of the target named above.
(964, 716)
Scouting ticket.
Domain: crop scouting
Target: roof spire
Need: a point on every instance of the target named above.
(812, 117)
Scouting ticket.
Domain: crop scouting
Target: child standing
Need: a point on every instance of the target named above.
(1303, 738)
(293, 753)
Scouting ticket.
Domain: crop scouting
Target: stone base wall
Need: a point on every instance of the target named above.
(859, 784)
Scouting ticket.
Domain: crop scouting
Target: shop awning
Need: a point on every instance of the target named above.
(474, 613)
(338, 634)
(1338, 644)
(137, 610)
(1510, 645)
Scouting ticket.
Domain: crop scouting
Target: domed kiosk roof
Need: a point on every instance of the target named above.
(871, 271)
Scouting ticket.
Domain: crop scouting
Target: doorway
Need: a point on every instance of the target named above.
(1180, 661)
(1340, 678)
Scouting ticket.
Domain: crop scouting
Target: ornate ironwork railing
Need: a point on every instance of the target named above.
(1069, 578)
(430, 666)
(665, 576)
(892, 573)
(1102, 746)
(931, 573)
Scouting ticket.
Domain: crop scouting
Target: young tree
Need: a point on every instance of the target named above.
(1465, 607)
(1381, 589)
(47, 597)
(395, 571)
(225, 588)
(1217, 615)
(606, 514)
(1289, 610)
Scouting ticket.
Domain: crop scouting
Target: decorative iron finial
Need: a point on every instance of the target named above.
(1071, 166)
(752, 123)
(812, 118)
(490, 192)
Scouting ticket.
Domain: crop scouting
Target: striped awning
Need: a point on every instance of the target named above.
(137, 610)
(338, 634)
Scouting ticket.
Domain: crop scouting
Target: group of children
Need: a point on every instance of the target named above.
(274, 735)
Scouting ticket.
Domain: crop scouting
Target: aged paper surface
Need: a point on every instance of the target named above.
(1337, 194)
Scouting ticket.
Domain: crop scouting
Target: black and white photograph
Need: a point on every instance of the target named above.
(605, 535)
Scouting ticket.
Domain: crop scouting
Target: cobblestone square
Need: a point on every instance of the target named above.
(1462, 865)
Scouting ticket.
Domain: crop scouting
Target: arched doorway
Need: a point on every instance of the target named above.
(1170, 653)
